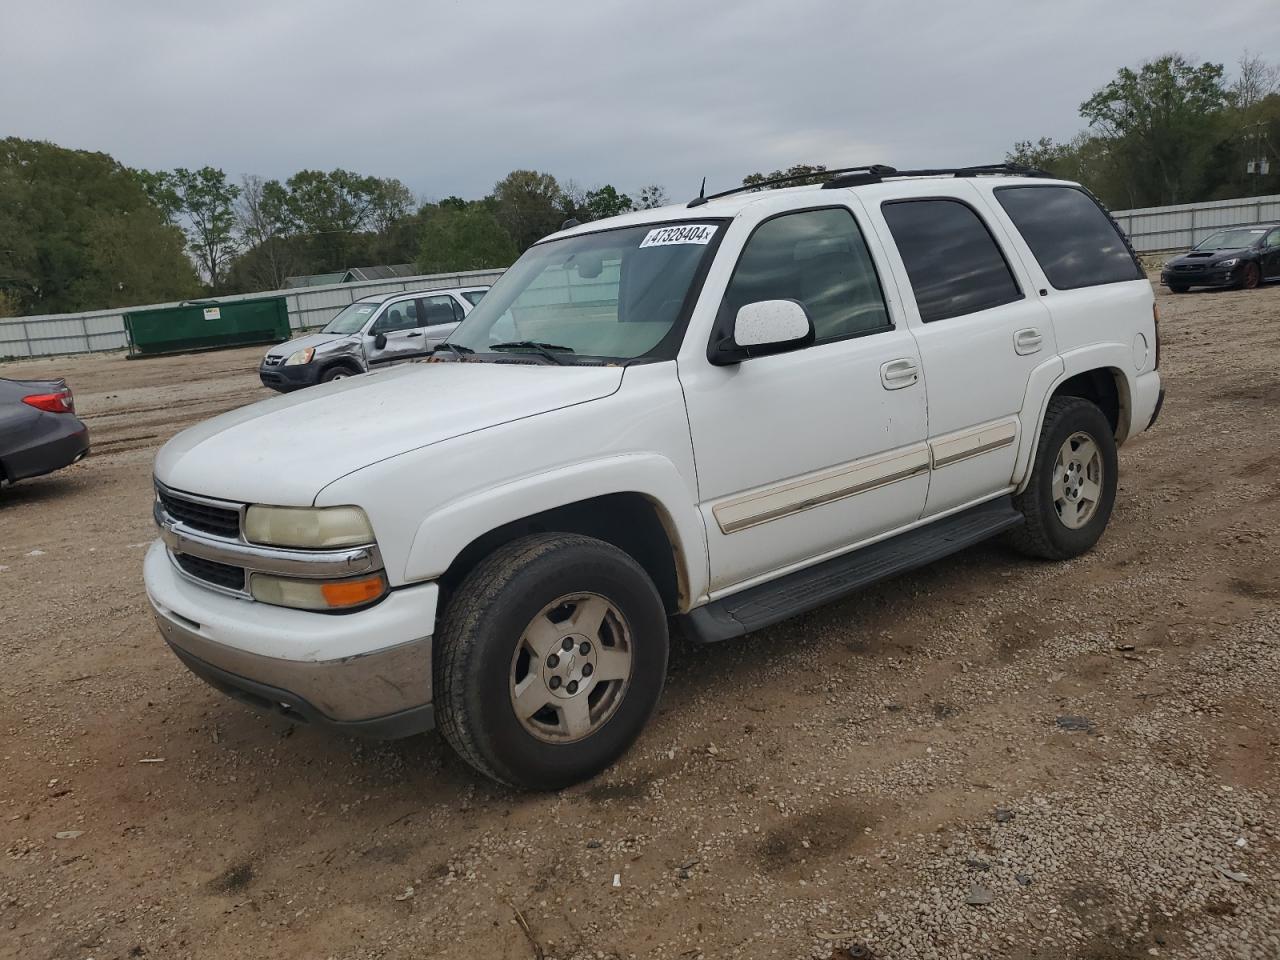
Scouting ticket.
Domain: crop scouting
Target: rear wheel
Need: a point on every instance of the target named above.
(1072, 490)
(550, 658)
(1251, 278)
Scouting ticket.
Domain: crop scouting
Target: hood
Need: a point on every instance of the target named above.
(287, 449)
(1209, 256)
(301, 343)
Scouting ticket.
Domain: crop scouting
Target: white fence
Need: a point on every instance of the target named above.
(309, 307)
(1183, 226)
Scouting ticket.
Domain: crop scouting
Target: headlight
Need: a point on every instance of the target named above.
(317, 594)
(302, 356)
(1229, 263)
(308, 527)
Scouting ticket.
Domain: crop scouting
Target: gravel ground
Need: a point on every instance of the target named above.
(989, 758)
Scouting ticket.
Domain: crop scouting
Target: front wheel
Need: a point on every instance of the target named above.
(336, 373)
(1178, 288)
(1251, 278)
(551, 656)
(1072, 489)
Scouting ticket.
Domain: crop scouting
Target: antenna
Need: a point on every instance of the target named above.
(701, 198)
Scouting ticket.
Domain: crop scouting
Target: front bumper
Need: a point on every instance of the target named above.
(1205, 277)
(58, 441)
(367, 672)
(284, 378)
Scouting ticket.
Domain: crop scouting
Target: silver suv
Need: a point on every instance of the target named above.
(372, 332)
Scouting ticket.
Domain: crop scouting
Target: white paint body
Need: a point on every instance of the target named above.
(756, 469)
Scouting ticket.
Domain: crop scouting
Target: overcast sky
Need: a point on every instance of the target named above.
(451, 96)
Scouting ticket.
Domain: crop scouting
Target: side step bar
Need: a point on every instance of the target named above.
(813, 587)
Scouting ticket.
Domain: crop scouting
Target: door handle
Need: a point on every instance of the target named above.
(900, 373)
(1027, 341)
(416, 333)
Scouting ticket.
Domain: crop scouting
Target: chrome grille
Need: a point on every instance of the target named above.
(219, 574)
(270, 361)
(219, 521)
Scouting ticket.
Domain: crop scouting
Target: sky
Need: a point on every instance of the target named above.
(451, 96)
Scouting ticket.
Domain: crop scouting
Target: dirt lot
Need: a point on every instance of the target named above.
(1089, 750)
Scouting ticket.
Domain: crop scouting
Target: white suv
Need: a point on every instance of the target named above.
(727, 413)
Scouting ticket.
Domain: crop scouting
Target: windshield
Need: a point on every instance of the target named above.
(1231, 239)
(615, 295)
(351, 319)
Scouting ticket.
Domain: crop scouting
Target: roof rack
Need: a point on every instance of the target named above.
(876, 173)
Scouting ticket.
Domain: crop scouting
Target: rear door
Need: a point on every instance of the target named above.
(440, 315)
(981, 331)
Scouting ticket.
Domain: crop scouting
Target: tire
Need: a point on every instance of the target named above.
(336, 372)
(484, 658)
(1251, 279)
(1049, 532)
(1179, 288)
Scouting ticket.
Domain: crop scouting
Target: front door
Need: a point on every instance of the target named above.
(395, 335)
(1271, 255)
(981, 332)
(805, 453)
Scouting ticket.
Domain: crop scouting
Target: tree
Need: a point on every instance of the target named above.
(78, 232)
(1163, 121)
(606, 202)
(651, 196)
(528, 205)
(1256, 80)
(262, 219)
(466, 239)
(206, 202)
(799, 170)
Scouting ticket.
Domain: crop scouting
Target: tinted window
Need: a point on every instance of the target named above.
(437, 310)
(1273, 239)
(402, 315)
(1076, 244)
(817, 257)
(954, 264)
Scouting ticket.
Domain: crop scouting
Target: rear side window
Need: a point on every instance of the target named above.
(951, 258)
(815, 257)
(1075, 242)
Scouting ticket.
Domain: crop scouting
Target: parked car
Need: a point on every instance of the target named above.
(39, 431)
(727, 413)
(1238, 257)
(372, 332)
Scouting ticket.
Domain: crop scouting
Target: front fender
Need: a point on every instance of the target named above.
(450, 527)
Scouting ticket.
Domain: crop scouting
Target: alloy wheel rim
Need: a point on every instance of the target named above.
(1077, 480)
(1251, 276)
(571, 668)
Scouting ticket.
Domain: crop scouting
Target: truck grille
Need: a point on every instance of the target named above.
(219, 574)
(219, 521)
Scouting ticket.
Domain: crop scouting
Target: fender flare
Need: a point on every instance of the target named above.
(451, 527)
(1114, 358)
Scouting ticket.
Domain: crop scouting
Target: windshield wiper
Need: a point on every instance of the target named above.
(455, 347)
(535, 345)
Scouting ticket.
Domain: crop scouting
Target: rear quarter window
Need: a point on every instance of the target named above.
(1072, 238)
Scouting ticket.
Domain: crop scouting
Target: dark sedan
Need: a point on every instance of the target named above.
(1242, 257)
(39, 430)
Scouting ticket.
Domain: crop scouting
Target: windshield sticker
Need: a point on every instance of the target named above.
(699, 233)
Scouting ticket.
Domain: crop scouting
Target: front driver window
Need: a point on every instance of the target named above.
(399, 316)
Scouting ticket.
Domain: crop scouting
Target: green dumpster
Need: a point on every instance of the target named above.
(206, 326)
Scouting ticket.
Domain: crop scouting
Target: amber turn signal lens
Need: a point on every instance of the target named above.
(352, 593)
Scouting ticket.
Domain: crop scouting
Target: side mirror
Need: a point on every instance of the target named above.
(380, 341)
(762, 328)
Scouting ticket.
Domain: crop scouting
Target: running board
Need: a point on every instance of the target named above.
(813, 587)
